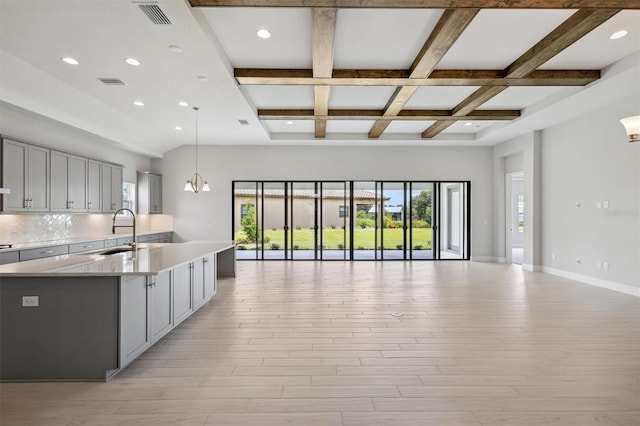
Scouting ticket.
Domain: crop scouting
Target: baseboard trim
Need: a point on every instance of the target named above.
(611, 285)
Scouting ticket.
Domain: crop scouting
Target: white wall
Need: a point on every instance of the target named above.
(208, 215)
(585, 161)
(23, 125)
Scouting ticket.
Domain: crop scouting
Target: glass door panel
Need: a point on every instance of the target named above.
(392, 220)
(303, 211)
(453, 223)
(365, 200)
(272, 229)
(334, 221)
(245, 202)
(420, 222)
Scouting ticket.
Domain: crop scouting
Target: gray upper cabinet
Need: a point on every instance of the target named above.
(68, 182)
(111, 187)
(149, 193)
(94, 187)
(25, 170)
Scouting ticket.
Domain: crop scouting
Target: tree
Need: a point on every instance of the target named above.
(248, 221)
(422, 206)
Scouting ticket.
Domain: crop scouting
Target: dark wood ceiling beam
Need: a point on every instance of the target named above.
(426, 4)
(348, 77)
(405, 115)
(449, 27)
(571, 30)
(324, 27)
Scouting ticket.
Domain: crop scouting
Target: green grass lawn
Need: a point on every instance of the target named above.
(333, 238)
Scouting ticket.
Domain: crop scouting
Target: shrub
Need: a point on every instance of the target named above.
(420, 224)
(360, 248)
(242, 239)
(340, 246)
(273, 229)
(241, 247)
(275, 246)
(365, 223)
(399, 247)
(417, 247)
(333, 227)
(266, 239)
(398, 224)
(298, 228)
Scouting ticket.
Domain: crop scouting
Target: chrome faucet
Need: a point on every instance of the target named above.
(114, 226)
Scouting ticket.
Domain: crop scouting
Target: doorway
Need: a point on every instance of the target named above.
(515, 205)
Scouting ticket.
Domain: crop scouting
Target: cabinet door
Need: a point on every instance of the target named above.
(59, 182)
(210, 277)
(38, 179)
(78, 183)
(182, 299)
(14, 175)
(134, 320)
(161, 318)
(198, 283)
(155, 191)
(111, 188)
(94, 186)
(116, 187)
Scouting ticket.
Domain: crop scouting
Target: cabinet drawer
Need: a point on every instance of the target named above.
(41, 252)
(111, 243)
(86, 246)
(9, 257)
(124, 241)
(147, 238)
(166, 237)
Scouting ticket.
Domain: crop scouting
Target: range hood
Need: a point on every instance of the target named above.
(5, 191)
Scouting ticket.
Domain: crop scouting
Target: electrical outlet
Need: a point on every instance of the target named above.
(30, 301)
(599, 264)
(605, 266)
(605, 204)
(578, 260)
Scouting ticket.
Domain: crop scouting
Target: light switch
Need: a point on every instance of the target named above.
(599, 264)
(605, 266)
(598, 204)
(605, 204)
(30, 301)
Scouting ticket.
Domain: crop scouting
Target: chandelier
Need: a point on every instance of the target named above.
(197, 182)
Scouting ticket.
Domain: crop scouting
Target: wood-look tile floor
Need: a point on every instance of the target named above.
(372, 343)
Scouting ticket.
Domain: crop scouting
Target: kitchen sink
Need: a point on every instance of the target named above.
(115, 251)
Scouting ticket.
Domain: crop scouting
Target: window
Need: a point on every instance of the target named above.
(520, 213)
(363, 207)
(128, 198)
(344, 211)
(243, 210)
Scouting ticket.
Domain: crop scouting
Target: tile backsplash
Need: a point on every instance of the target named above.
(29, 228)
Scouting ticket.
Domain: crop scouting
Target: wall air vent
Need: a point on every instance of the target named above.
(112, 81)
(154, 13)
(243, 122)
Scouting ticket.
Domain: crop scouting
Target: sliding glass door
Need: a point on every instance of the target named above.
(351, 220)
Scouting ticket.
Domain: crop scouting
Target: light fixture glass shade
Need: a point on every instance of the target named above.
(632, 126)
(197, 182)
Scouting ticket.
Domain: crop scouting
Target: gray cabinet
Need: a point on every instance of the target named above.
(94, 186)
(161, 309)
(134, 317)
(86, 246)
(149, 193)
(182, 299)
(9, 257)
(111, 187)
(25, 170)
(204, 280)
(42, 252)
(68, 182)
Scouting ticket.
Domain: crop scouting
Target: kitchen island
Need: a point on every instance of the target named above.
(87, 316)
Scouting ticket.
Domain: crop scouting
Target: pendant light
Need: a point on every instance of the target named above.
(632, 126)
(197, 182)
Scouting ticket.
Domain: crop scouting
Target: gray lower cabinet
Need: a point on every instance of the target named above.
(86, 246)
(204, 280)
(134, 317)
(9, 257)
(210, 275)
(41, 252)
(182, 299)
(161, 309)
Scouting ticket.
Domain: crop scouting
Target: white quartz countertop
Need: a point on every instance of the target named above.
(149, 259)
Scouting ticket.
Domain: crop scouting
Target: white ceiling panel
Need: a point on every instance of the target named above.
(360, 97)
(436, 97)
(496, 38)
(288, 47)
(379, 38)
(519, 97)
(473, 127)
(349, 126)
(281, 96)
(296, 126)
(596, 50)
(407, 126)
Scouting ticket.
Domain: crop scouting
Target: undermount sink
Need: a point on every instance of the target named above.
(115, 251)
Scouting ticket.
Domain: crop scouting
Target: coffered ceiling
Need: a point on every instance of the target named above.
(332, 72)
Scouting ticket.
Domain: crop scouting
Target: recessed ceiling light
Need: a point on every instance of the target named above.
(618, 34)
(263, 33)
(290, 123)
(178, 128)
(468, 124)
(132, 61)
(69, 60)
(138, 103)
(183, 104)
(175, 49)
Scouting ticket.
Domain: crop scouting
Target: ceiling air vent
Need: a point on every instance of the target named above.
(155, 14)
(243, 122)
(112, 81)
